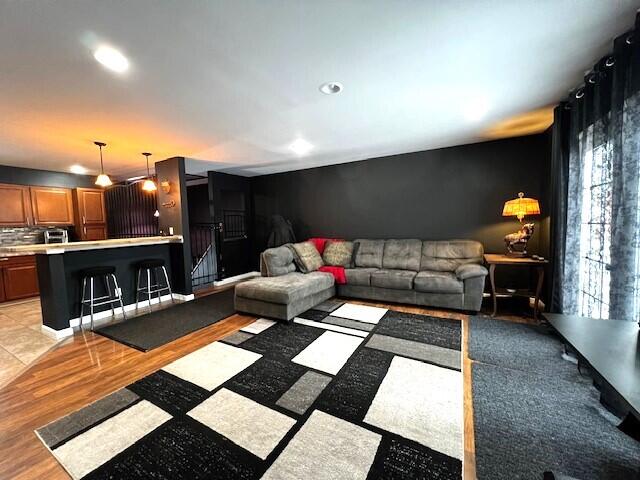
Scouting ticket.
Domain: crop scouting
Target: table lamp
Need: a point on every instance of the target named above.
(516, 243)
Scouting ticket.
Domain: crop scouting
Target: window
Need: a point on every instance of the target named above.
(595, 232)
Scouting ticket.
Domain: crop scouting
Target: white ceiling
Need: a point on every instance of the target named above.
(230, 84)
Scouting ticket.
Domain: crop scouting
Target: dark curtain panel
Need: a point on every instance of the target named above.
(559, 181)
(601, 259)
(130, 211)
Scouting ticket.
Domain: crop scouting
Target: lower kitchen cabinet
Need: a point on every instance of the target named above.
(19, 278)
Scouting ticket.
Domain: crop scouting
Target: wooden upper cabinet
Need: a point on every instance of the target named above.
(51, 206)
(91, 214)
(15, 206)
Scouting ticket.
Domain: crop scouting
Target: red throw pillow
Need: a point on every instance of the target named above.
(320, 243)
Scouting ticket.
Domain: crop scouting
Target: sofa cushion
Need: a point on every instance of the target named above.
(285, 289)
(447, 255)
(402, 255)
(276, 261)
(338, 253)
(369, 253)
(437, 282)
(359, 276)
(396, 279)
(306, 256)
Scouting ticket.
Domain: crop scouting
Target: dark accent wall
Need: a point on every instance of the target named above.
(455, 192)
(45, 178)
(199, 204)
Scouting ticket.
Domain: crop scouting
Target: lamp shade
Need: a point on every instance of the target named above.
(103, 180)
(149, 186)
(521, 206)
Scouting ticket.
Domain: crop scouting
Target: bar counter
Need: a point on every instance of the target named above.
(56, 248)
(60, 269)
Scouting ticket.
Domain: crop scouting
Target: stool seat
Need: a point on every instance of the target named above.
(98, 271)
(151, 263)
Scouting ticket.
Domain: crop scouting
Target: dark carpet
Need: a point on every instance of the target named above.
(526, 424)
(155, 329)
(529, 348)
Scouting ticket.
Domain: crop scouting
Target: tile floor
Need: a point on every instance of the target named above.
(21, 339)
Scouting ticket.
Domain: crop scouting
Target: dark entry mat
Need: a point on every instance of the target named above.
(155, 329)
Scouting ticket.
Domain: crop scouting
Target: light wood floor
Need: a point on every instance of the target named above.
(88, 367)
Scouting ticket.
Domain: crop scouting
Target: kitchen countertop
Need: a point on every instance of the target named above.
(57, 248)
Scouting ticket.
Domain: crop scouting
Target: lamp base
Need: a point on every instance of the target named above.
(516, 243)
(517, 254)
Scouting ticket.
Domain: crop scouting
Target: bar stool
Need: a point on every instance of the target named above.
(148, 266)
(104, 274)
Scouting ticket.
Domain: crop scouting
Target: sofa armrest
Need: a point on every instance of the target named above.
(470, 270)
(277, 261)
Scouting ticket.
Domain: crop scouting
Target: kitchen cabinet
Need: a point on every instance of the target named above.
(90, 214)
(94, 232)
(15, 206)
(51, 206)
(19, 277)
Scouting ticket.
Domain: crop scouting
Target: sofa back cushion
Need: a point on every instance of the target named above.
(447, 255)
(277, 261)
(402, 255)
(338, 253)
(369, 253)
(306, 256)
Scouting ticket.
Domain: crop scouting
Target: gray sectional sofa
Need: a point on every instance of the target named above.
(446, 274)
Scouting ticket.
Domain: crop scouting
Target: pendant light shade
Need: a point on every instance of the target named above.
(148, 185)
(103, 179)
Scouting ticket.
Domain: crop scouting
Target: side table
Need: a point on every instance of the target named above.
(493, 259)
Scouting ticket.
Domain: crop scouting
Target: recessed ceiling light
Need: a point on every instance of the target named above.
(330, 88)
(111, 58)
(77, 169)
(476, 109)
(300, 147)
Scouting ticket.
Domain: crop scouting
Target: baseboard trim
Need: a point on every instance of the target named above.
(75, 322)
(236, 278)
(56, 334)
(184, 298)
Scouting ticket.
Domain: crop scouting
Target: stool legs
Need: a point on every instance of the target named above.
(84, 288)
(112, 296)
(138, 288)
(91, 303)
(119, 295)
(166, 278)
(106, 284)
(149, 288)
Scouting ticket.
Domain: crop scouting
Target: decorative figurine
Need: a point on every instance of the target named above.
(517, 242)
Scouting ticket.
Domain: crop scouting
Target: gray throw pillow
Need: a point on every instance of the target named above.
(338, 253)
(306, 256)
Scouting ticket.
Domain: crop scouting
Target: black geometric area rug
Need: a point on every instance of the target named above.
(158, 328)
(351, 392)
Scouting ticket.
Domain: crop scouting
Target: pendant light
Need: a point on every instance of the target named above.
(148, 185)
(103, 179)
